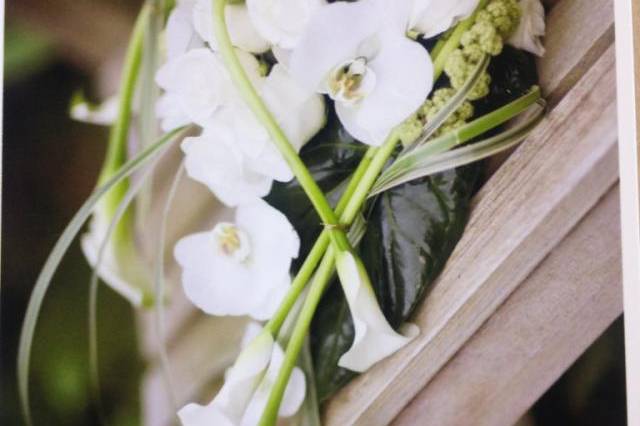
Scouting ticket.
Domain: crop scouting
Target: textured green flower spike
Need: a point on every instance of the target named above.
(492, 26)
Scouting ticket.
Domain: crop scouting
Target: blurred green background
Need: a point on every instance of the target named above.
(50, 164)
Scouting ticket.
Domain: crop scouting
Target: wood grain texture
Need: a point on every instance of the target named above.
(578, 33)
(535, 335)
(528, 206)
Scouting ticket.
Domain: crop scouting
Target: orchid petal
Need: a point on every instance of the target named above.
(213, 160)
(220, 283)
(180, 35)
(333, 35)
(282, 22)
(293, 396)
(199, 81)
(170, 113)
(241, 381)
(404, 78)
(241, 30)
(432, 17)
(374, 337)
(531, 29)
(299, 112)
(200, 85)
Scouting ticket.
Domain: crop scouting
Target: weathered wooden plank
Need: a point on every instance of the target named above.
(628, 52)
(566, 303)
(528, 206)
(578, 33)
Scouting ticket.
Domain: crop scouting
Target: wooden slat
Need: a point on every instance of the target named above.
(628, 50)
(528, 206)
(535, 335)
(578, 33)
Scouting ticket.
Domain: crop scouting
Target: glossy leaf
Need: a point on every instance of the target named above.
(411, 230)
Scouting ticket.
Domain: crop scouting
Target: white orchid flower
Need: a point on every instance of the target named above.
(299, 112)
(198, 89)
(214, 160)
(242, 32)
(359, 55)
(198, 83)
(170, 112)
(282, 22)
(532, 27)
(180, 33)
(240, 268)
(374, 337)
(247, 386)
(432, 17)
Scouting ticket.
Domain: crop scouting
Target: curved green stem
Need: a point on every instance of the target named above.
(375, 158)
(262, 113)
(317, 251)
(117, 147)
(320, 281)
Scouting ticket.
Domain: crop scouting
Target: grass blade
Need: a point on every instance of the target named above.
(159, 286)
(127, 200)
(429, 165)
(55, 257)
(451, 106)
(477, 127)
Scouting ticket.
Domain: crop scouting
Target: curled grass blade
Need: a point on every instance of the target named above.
(55, 257)
(408, 161)
(431, 164)
(127, 200)
(159, 288)
(451, 106)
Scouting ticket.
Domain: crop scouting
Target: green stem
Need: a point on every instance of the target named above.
(442, 51)
(459, 136)
(262, 113)
(315, 255)
(377, 158)
(117, 147)
(320, 281)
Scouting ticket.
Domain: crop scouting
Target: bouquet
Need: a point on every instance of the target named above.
(342, 142)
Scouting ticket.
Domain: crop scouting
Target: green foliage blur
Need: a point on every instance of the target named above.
(50, 166)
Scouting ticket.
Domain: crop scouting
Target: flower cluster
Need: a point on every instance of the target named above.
(357, 55)
(493, 25)
(361, 58)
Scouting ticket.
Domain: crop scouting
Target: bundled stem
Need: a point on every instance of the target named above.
(262, 113)
(363, 183)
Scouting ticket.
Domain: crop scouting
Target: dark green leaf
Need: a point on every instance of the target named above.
(331, 156)
(412, 229)
(411, 232)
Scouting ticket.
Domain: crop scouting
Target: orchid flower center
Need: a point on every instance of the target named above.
(231, 241)
(351, 81)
